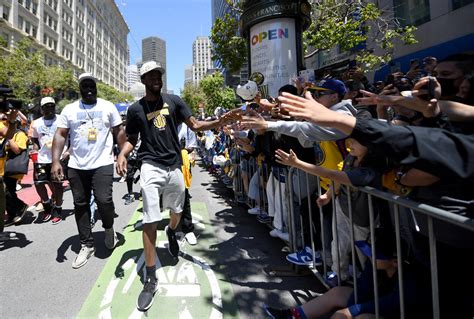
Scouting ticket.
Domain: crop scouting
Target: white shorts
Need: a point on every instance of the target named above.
(158, 180)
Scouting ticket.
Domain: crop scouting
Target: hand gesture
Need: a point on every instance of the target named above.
(121, 167)
(285, 158)
(57, 173)
(304, 108)
(323, 199)
(253, 121)
(231, 116)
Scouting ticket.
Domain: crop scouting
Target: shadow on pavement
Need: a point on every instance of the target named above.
(11, 239)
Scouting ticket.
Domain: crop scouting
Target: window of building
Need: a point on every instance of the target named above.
(461, 3)
(412, 12)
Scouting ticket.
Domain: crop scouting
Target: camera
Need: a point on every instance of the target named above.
(6, 101)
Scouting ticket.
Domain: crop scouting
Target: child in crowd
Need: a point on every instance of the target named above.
(362, 167)
(340, 302)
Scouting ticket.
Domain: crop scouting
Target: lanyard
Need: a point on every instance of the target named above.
(88, 115)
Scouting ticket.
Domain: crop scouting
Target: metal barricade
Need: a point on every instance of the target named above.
(430, 212)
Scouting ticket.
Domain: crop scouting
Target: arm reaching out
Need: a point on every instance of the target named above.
(292, 160)
(308, 109)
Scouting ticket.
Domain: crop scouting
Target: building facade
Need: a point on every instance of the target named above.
(132, 75)
(92, 35)
(201, 58)
(188, 74)
(154, 49)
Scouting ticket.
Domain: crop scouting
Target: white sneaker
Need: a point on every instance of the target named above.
(191, 238)
(254, 211)
(83, 257)
(110, 238)
(275, 232)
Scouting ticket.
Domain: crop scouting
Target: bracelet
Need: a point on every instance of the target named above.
(12, 122)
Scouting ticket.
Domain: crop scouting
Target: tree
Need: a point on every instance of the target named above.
(193, 95)
(23, 69)
(216, 93)
(353, 26)
(228, 48)
(111, 94)
(358, 26)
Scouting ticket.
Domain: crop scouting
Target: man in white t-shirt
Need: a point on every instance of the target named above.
(89, 123)
(43, 130)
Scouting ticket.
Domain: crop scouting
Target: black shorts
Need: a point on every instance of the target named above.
(42, 173)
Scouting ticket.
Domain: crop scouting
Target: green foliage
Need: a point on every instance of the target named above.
(111, 94)
(192, 95)
(352, 26)
(216, 93)
(211, 92)
(229, 49)
(357, 26)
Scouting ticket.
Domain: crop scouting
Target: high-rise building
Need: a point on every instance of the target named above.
(91, 35)
(188, 74)
(201, 58)
(154, 49)
(132, 75)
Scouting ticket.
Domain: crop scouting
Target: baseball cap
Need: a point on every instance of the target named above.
(247, 91)
(150, 66)
(331, 84)
(47, 100)
(385, 248)
(87, 76)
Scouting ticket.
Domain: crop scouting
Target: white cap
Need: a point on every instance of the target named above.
(47, 100)
(86, 76)
(248, 91)
(150, 66)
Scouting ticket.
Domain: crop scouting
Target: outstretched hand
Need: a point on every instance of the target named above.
(286, 159)
(253, 120)
(231, 116)
(304, 108)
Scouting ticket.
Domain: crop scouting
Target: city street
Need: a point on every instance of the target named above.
(225, 275)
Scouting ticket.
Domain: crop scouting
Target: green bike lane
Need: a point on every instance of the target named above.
(189, 287)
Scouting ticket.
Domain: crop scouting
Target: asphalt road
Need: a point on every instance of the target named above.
(226, 275)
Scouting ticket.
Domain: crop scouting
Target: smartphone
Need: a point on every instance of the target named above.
(430, 88)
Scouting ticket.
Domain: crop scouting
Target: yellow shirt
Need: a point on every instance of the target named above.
(328, 156)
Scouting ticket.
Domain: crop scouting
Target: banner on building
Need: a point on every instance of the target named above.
(273, 52)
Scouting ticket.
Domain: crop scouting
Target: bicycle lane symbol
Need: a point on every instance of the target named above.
(184, 289)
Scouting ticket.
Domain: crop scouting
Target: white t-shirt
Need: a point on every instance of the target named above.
(44, 131)
(90, 133)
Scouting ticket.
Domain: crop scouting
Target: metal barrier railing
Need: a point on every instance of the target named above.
(431, 213)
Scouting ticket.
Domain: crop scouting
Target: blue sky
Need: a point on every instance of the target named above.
(178, 22)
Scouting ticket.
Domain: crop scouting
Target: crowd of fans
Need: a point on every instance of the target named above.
(410, 135)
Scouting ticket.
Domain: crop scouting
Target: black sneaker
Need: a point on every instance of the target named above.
(278, 313)
(173, 246)
(47, 212)
(145, 299)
